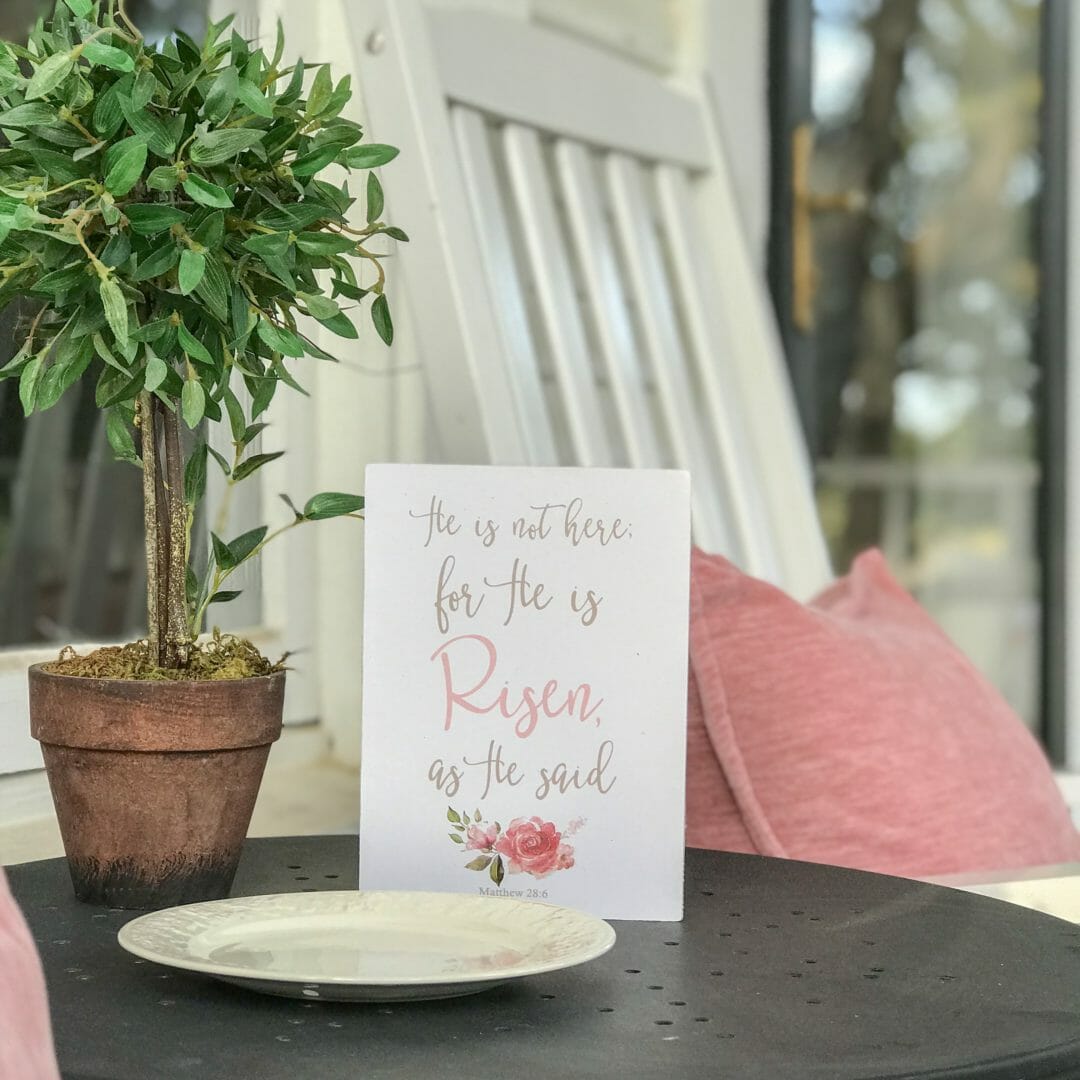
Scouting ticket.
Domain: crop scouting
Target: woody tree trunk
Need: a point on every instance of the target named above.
(165, 518)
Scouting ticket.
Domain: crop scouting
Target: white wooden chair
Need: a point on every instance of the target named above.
(580, 287)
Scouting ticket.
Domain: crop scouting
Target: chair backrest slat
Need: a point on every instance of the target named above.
(663, 345)
(489, 211)
(712, 362)
(594, 249)
(554, 282)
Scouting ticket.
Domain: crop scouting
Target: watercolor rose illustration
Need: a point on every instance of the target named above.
(528, 845)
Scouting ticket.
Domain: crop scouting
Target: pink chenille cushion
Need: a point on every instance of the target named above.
(852, 731)
(26, 1050)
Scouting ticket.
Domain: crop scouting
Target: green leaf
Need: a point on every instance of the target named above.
(82, 8)
(28, 383)
(222, 554)
(268, 245)
(479, 863)
(310, 164)
(25, 117)
(222, 94)
(324, 243)
(117, 251)
(321, 307)
(236, 416)
(63, 280)
(151, 331)
(195, 475)
(160, 262)
(380, 316)
(217, 147)
(157, 371)
(61, 167)
(322, 87)
(108, 112)
(256, 461)
(214, 290)
(97, 52)
(116, 312)
(375, 198)
(457, 839)
(192, 269)
(163, 178)
(192, 589)
(251, 432)
(495, 871)
(120, 438)
(207, 194)
(193, 403)
(211, 233)
(124, 163)
(252, 97)
(242, 547)
(49, 75)
(280, 339)
(289, 503)
(370, 156)
(341, 325)
(142, 93)
(226, 468)
(331, 504)
(223, 596)
(192, 346)
(150, 128)
(147, 219)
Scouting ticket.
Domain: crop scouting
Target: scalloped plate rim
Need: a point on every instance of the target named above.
(603, 942)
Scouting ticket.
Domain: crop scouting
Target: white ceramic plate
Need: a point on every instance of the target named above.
(368, 946)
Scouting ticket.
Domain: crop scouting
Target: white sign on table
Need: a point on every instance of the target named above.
(525, 664)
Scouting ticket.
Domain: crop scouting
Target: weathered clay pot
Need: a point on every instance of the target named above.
(154, 782)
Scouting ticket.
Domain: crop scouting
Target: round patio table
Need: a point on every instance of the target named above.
(780, 971)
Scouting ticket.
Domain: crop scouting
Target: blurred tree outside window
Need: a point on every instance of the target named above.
(927, 395)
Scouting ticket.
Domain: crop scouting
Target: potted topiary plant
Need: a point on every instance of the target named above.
(164, 211)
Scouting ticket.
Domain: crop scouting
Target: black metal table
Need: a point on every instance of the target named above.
(781, 971)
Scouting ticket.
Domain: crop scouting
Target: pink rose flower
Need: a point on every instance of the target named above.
(480, 837)
(532, 846)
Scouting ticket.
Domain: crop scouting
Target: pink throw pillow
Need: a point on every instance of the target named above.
(26, 1048)
(852, 731)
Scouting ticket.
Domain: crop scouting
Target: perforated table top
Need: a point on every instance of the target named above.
(780, 971)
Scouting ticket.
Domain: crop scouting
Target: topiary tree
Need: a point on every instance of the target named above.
(167, 211)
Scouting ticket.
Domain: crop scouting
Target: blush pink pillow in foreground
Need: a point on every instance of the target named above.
(26, 1050)
(852, 731)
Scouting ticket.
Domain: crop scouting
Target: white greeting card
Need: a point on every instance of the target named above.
(525, 664)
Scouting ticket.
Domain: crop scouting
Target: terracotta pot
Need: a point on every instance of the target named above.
(154, 782)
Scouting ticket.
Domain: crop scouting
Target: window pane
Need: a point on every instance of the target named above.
(927, 308)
